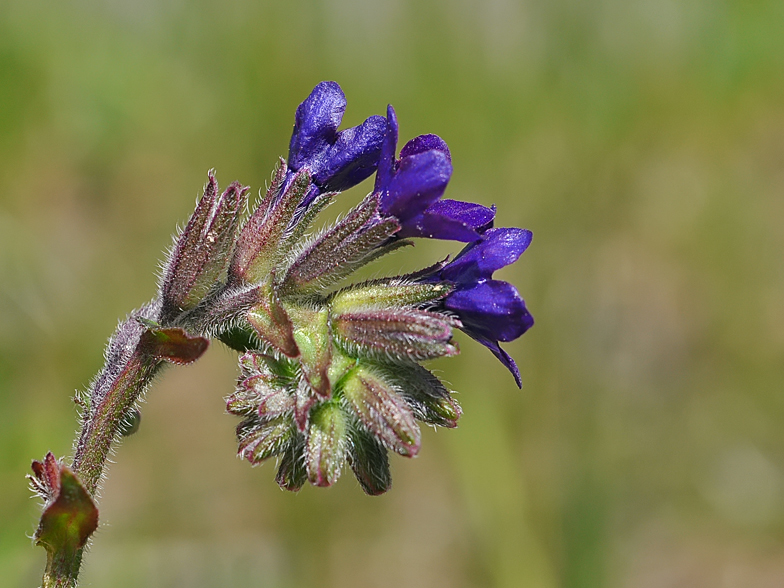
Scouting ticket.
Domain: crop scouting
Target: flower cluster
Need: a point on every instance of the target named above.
(331, 375)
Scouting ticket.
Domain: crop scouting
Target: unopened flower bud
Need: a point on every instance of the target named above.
(424, 393)
(385, 294)
(401, 334)
(382, 411)
(271, 322)
(311, 333)
(259, 244)
(351, 243)
(201, 252)
(369, 461)
(291, 470)
(262, 389)
(260, 439)
(325, 451)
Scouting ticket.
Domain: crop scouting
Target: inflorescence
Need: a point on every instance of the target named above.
(331, 374)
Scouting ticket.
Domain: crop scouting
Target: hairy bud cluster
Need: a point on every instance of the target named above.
(331, 375)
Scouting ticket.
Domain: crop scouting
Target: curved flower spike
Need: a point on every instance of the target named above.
(411, 188)
(490, 310)
(337, 160)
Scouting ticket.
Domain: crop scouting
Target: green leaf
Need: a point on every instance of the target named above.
(69, 518)
(173, 345)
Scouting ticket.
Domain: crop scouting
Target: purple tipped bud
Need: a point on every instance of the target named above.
(260, 390)
(201, 253)
(398, 334)
(261, 439)
(382, 411)
(325, 451)
(259, 244)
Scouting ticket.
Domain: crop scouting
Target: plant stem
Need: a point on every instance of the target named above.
(128, 370)
(62, 569)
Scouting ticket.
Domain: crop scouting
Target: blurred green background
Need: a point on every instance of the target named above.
(641, 140)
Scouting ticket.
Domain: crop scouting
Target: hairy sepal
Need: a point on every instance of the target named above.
(369, 461)
(271, 322)
(313, 339)
(201, 252)
(260, 439)
(385, 294)
(325, 450)
(397, 334)
(424, 393)
(348, 245)
(259, 248)
(292, 474)
(384, 413)
(262, 388)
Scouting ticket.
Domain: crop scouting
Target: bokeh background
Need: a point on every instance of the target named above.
(641, 140)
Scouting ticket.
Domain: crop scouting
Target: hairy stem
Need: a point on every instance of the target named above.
(128, 370)
(62, 569)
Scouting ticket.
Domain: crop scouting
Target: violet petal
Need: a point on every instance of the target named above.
(352, 158)
(336, 160)
(493, 309)
(316, 123)
(424, 143)
(420, 180)
(453, 220)
(498, 248)
(386, 160)
(502, 356)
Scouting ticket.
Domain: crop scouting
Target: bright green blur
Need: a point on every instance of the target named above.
(642, 142)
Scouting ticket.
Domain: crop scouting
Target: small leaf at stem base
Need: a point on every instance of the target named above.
(70, 515)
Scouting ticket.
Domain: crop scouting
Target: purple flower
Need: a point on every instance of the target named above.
(336, 160)
(411, 188)
(490, 310)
